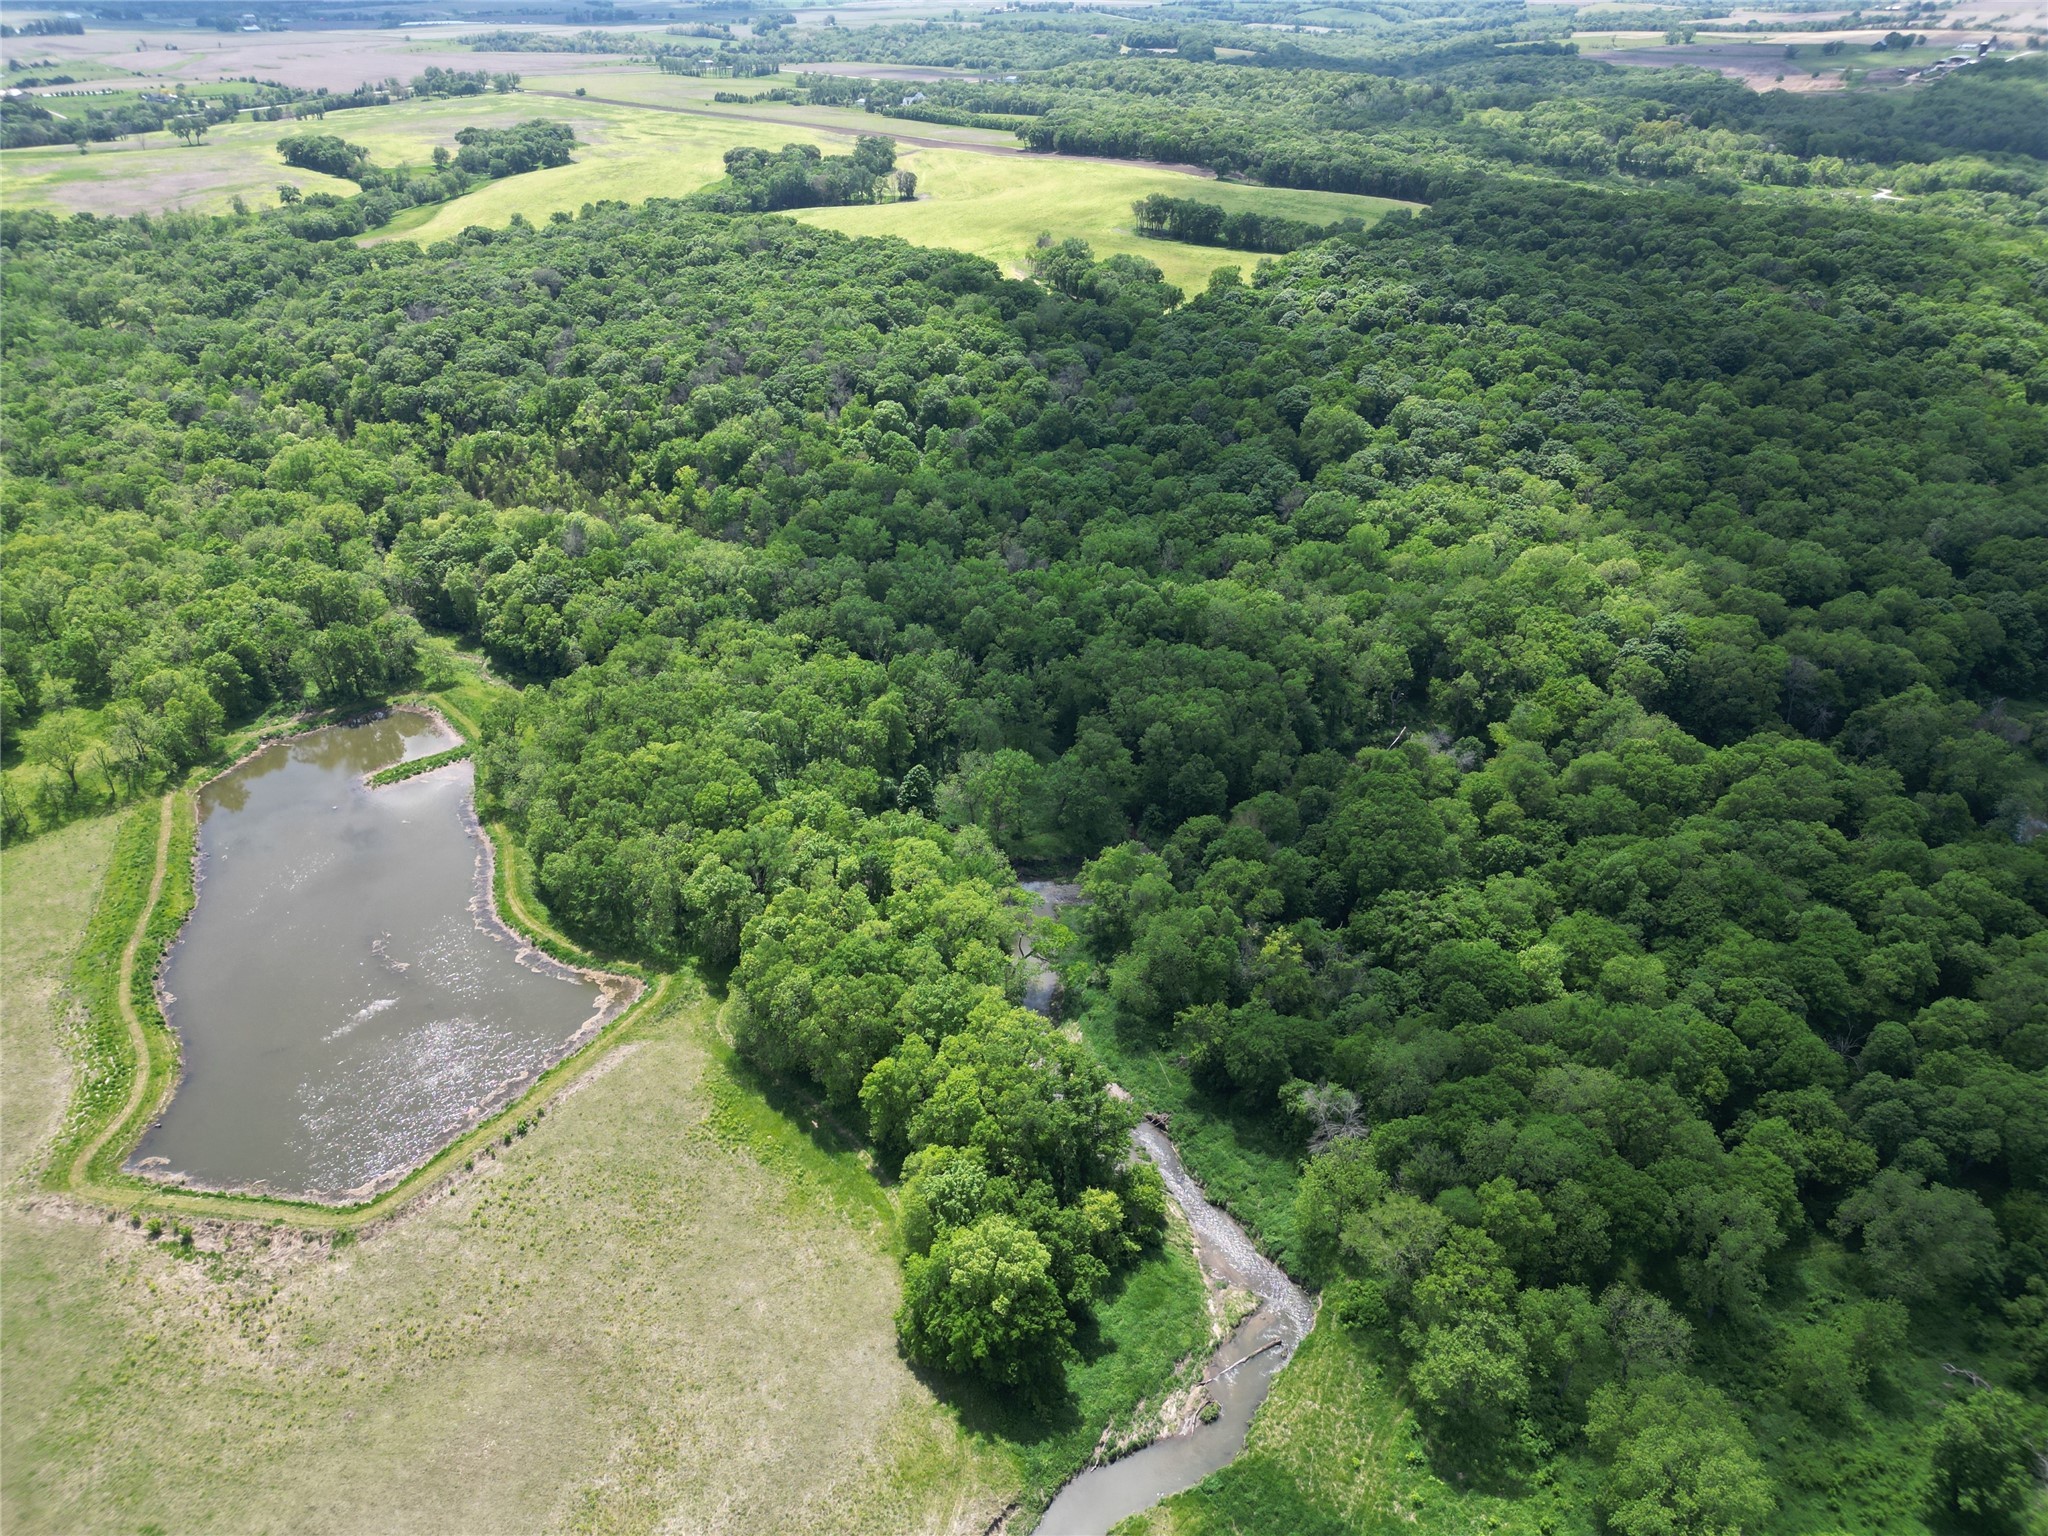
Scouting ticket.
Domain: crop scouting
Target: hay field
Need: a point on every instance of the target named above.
(665, 1304)
(662, 136)
(997, 206)
(624, 153)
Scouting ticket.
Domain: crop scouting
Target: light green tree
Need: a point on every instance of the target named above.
(1984, 1450)
(984, 1302)
(1679, 1462)
(58, 742)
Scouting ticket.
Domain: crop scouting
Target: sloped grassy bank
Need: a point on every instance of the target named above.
(946, 1457)
(126, 1056)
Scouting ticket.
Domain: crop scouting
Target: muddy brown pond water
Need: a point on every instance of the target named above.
(346, 999)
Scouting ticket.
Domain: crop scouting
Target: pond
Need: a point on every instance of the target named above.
(346, 999)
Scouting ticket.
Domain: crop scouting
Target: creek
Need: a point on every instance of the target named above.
(1242, 1370)
(345, 997)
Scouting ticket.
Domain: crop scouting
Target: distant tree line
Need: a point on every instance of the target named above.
(436, 81)
(24, 123)
(1198, 223)
(1425, 139)
(553, 42)
(691, 61)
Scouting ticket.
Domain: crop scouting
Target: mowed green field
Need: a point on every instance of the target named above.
(667, 1306)
(997, 206)
(628, 155)
(994, 205)
(669, 156)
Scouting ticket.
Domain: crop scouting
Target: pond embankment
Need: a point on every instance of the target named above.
(346, 997)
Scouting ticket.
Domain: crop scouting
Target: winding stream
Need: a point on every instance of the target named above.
(1243, 1368)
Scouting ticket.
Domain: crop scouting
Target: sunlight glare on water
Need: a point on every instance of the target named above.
(345, 1001)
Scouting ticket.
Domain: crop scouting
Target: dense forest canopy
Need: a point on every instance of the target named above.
(1545, 695)
(1428, 107)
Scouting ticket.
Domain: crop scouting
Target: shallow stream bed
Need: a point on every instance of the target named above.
(1242, 1370)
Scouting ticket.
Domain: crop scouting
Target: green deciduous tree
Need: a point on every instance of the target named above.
(1985, 1447)
(1679, 1462)
(983, 1301)
(1921, 1242)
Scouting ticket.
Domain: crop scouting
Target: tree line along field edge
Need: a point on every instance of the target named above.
(1543, 695)
(990, 205)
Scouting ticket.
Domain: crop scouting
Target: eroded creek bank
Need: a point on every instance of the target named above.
(1242, 1370)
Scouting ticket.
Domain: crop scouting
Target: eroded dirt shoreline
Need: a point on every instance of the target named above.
(617, 993)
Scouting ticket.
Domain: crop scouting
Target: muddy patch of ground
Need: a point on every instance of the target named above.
(1758, 66)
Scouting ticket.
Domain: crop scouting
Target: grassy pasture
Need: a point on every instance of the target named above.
(996, 206)
(672, 155)
(336, 59)
(654, 1306)
(879, 13)
(667, 1304)
(1589, 40)
(991, 205)
(663, 1300)
(157, 173)
(629, 155)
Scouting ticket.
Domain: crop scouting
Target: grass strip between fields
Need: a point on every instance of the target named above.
(126, 1055)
